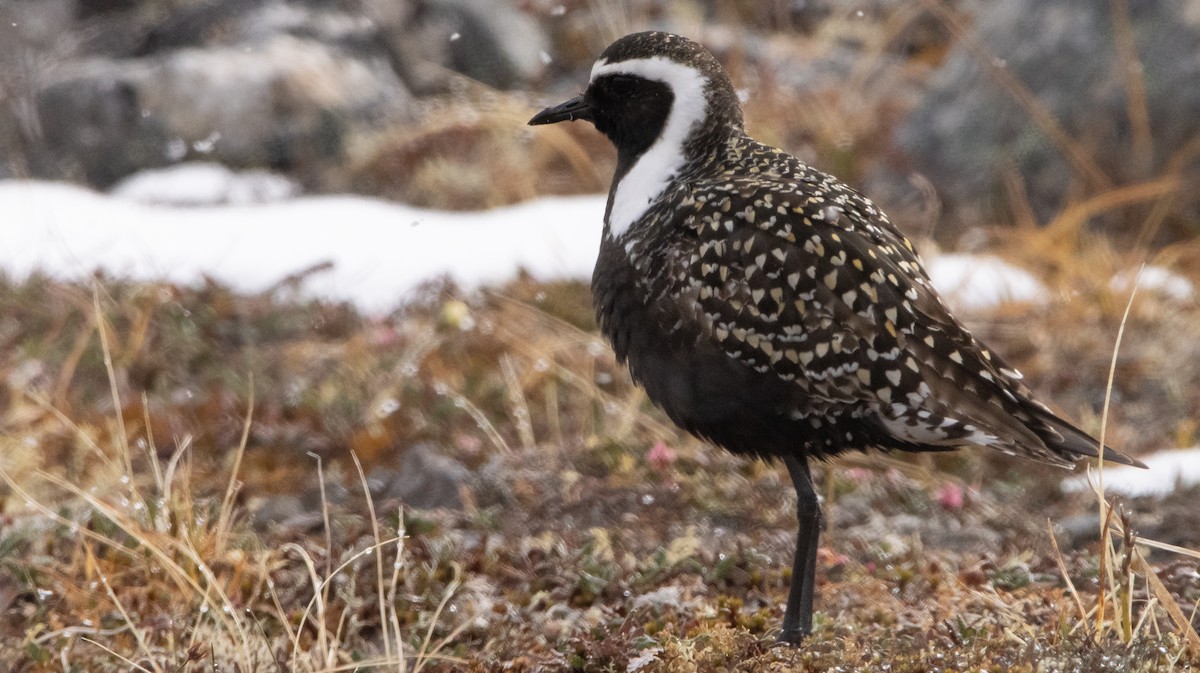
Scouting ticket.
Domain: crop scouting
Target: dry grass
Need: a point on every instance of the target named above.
(593, 536)
(134, 569)
(471, 151)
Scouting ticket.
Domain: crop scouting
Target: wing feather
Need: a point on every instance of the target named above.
(829, 295)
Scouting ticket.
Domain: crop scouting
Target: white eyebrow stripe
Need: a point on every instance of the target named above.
(653, 171)
(596, 68)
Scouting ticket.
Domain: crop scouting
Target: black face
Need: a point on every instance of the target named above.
(630, 110)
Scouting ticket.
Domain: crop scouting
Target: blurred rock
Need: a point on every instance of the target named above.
(425, 479)
(971, 135)
(137, 29)
(93, 127)
(195, 25)
(487, 40)
(281, 509)
(284, 103)
(112, 87)
(665, 597)
(1078, 530)
(278, 103)
(88, 8)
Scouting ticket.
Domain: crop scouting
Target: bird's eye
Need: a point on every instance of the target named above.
(621, 85)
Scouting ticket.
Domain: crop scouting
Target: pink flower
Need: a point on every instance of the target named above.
(661, 456)
(950, 496)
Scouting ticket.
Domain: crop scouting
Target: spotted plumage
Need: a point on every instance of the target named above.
(768, 307)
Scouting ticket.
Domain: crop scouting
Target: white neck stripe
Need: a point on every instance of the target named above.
(652, 171)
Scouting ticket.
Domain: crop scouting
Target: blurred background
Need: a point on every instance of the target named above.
(953, 114)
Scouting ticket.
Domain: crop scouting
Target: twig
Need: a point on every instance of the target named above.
(1135, 87)
(1062, 567)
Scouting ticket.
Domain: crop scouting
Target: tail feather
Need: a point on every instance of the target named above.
(1068, 440)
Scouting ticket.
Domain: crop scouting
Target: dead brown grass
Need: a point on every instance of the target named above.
(577, 548)
(471, 151)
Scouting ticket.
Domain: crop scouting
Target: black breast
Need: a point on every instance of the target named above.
(701, 389)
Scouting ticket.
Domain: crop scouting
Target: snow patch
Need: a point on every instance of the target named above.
(1167, 470)
(205, 184)
(379, 250)
(1155, 279)
(978, 282)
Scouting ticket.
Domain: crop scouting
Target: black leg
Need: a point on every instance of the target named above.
(797, 618)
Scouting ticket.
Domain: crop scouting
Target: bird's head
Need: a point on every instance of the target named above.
(653, 88)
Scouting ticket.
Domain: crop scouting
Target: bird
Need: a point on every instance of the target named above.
(769, 308)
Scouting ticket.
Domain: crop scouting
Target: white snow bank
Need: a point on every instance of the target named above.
(977, 282)
(205, 184)
(379, 250)
(1167, 469)
(1155, 279)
